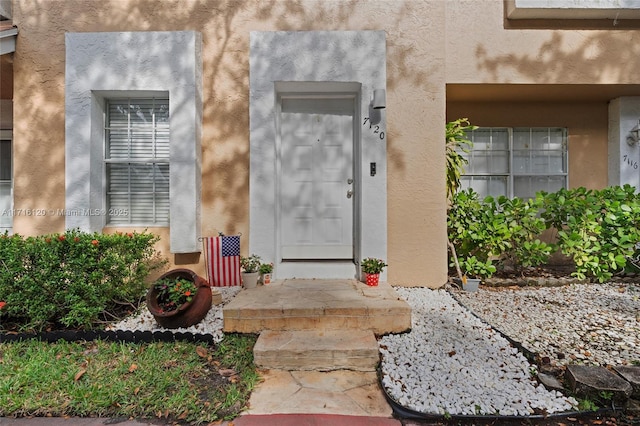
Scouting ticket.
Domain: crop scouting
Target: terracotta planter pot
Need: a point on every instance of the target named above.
(187, 314)
(371, 279)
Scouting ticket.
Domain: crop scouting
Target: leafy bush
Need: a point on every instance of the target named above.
(597, 229)
(75, 279)
(457, 143)
(501, 230)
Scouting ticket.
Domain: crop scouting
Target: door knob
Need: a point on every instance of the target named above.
(349, 193)
(349, 181)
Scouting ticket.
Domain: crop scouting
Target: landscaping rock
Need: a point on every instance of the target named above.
(632, 408)
(631, 373)
(550, 382)
(586, 380)
(216, 296)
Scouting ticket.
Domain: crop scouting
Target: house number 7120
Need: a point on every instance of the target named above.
(375, 128)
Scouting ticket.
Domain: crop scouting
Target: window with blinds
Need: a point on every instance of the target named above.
(516, 162)
(137, 161)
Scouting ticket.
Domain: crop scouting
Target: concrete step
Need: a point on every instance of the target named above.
(317, 305)
(317, 350)
(346, 392)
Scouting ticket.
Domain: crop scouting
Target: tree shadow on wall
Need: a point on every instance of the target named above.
(225, 27)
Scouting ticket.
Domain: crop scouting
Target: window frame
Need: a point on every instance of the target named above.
(107, 161)
(94, 69)
(511, 175)
(7, 135)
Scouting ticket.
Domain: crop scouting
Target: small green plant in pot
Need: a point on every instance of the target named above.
(266, 269)
(179, 298)
(250, 266)
(457, 144)
(372, 267)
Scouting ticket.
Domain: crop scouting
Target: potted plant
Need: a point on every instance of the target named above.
(372, 267)
(265, 273)
(179, 298)
(250, 274)
(456, 145)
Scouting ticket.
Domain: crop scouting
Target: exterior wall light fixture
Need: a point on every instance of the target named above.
(634, 135)
(380, 99)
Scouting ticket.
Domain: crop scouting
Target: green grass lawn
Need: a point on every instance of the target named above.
(178, 381)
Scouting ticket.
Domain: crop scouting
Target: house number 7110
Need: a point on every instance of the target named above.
(630, 162)
(375, 128)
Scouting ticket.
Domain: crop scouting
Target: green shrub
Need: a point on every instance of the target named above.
(75, 279)
(495, 231)
(598, 229)
(457, 144)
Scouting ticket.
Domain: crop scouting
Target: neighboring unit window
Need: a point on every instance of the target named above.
(516, 162)
(6, 199)
(137, 161)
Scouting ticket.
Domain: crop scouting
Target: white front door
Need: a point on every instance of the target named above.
(6, 185)
(316, 179)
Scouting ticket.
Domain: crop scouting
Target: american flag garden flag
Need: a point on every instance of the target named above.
(223, 260)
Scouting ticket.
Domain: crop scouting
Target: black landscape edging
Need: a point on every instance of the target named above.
(530, 356)
(402, 412)
(126, 336)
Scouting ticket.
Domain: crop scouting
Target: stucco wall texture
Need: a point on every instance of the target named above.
(430, 43)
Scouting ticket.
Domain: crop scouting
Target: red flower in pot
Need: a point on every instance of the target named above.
(179, 298)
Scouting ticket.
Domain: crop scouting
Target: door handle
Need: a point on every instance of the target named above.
(349, 193)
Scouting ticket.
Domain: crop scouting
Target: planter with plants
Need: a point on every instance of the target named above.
(457, 144)
(371, 268)
(250, 270)
(265, 273)
(179, 298)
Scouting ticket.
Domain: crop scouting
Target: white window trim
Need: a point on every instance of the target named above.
(98, 64)
(8, 135)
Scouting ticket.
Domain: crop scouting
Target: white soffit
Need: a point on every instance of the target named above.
(8, 40)
(573, 9)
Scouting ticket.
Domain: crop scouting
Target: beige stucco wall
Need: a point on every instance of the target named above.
(415, 77)
(480, 49)
(586, 123)
(429, 43)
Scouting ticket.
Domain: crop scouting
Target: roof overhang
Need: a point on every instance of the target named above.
(8, 40)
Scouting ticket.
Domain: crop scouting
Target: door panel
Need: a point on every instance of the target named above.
(6, 187)
(316, 216)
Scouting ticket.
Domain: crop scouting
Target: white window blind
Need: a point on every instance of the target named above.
(516, 162)
(137, 161)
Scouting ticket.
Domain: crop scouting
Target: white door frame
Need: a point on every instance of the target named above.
(7, 135)
(321, 268)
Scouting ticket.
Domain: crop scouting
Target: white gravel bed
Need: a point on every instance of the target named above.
(591, 324)
(211, 324)
(453, 363)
